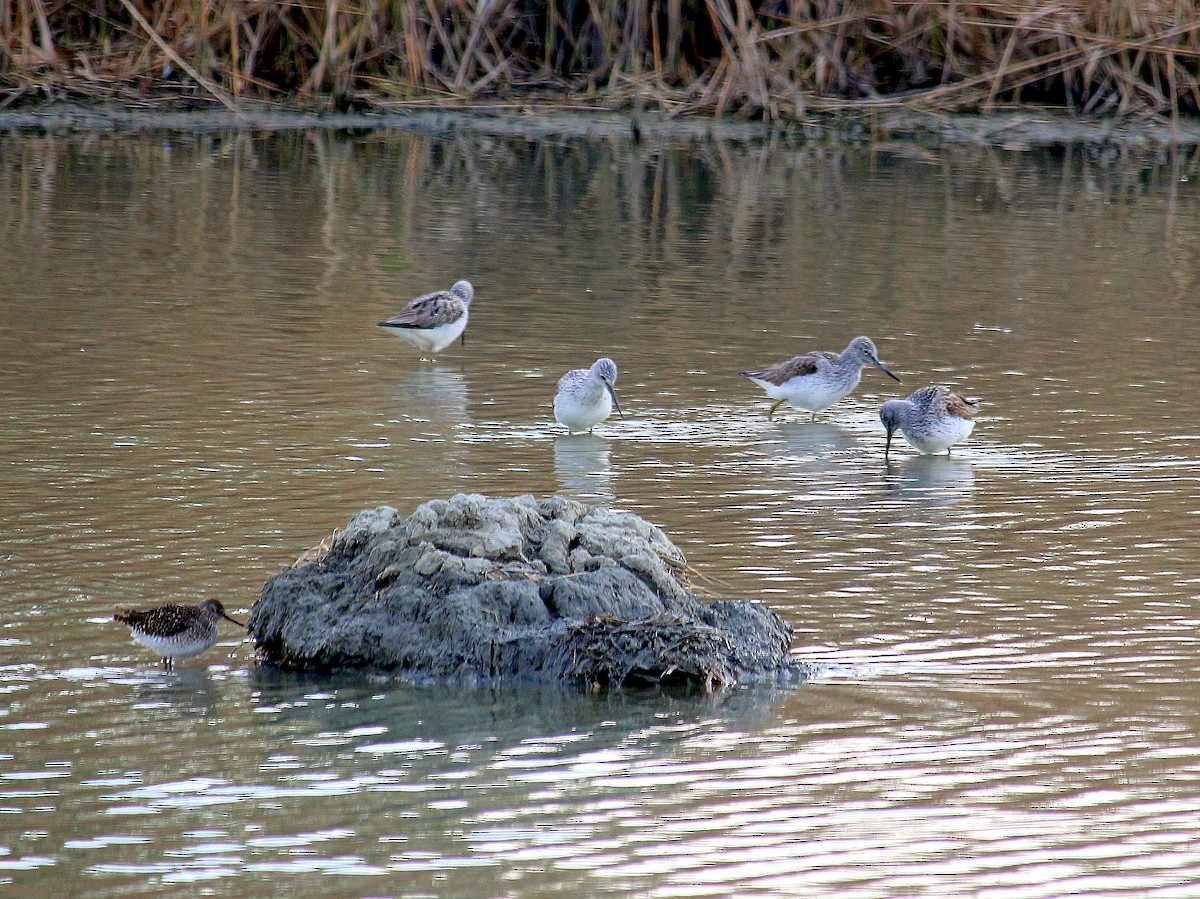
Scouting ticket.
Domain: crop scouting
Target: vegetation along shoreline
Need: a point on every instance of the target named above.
(1007, 73)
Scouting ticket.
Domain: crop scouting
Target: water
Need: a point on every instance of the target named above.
(193, 392)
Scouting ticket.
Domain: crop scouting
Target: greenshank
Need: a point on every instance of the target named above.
(815, 381)
(433, 322)
(586, 396)
(176, 630)
(932, 419)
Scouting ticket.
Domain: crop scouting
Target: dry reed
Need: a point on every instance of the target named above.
(776, 59)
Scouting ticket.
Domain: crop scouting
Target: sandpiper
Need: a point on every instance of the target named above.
(932, 419)
(586, 397)
(432, 322)
(815, 381)
(176, 630)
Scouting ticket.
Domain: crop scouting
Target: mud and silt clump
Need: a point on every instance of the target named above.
(476, 588)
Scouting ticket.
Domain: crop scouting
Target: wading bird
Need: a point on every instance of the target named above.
(433, 322)
(586, 396)
(176, 630)
(932, 419)
(817, 380)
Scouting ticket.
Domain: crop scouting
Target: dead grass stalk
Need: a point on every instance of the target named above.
(752, 58)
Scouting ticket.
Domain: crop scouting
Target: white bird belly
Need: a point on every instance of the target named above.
(812, 393)
(165, 647)
(432, 340)
(577, 413)
(940, 435)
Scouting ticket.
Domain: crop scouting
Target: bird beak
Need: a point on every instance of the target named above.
(613, 394)
(883, 368)
(887, 446)
(234, 620)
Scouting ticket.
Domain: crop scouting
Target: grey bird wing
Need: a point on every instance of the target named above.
(925, 397)
(940, 398)
(780, 374)
(574, 376)
(438, 308)
(164, 621)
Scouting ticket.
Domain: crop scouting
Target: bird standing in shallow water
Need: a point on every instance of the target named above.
(433, 322)
(815, 381)
(586, 396)
(932, 419)
(176, 630)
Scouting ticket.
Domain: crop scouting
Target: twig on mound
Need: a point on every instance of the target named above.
(320, 551)
(708, 579)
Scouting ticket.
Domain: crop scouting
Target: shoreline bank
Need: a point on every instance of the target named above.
(1017, 128)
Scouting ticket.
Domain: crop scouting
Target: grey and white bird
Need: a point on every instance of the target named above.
(932, 419)
(434, 321)
(587, 396)
(817, 380)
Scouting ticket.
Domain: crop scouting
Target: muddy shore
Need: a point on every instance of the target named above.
(1017, 129)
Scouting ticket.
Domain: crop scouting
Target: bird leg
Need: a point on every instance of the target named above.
(775, 406)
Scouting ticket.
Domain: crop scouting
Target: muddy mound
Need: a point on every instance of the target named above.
(474, 588)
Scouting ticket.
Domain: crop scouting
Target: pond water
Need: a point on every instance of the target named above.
(193, 392)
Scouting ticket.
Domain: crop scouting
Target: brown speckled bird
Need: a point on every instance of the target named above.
(176, 630)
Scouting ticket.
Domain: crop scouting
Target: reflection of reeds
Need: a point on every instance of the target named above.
(770, 59)
(363, 221)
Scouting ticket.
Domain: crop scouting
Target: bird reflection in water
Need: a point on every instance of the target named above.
(816, 440)
(189, 690)
(818, 464)
(930, 481)
(434, 393)
(584, 467)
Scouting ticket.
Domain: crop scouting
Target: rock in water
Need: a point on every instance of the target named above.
(474, 588)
